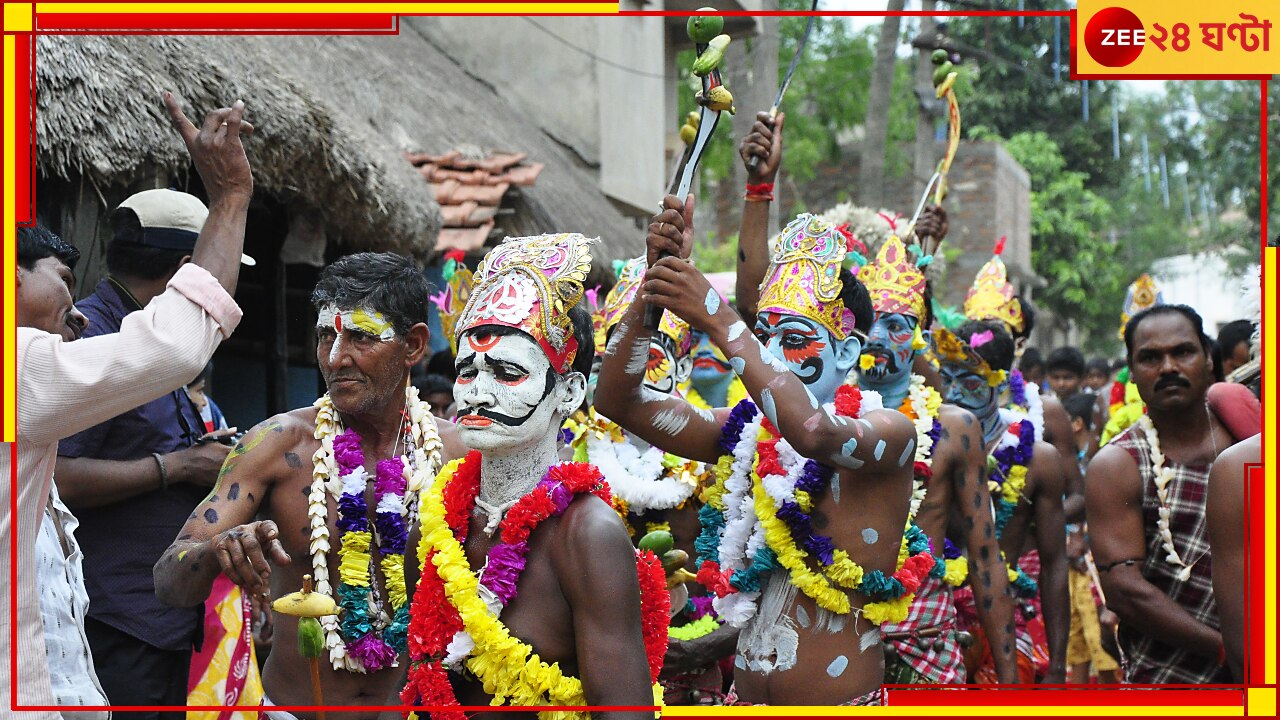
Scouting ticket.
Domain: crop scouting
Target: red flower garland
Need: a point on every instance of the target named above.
(848, 401)
(655, 609)
(460, 495)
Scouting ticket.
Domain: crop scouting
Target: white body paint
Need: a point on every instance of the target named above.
(670, 421)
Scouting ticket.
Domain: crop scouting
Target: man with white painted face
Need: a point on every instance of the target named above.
(1146, 492)
(1026, 480)
(925, 648)
(324, 478)
(562, 610)
(803, 528)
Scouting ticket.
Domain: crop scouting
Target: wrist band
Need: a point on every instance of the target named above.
(761, 192)
(164, 475)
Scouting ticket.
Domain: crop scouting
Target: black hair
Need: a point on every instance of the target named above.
(1234, 333)
(1028, 317)
(1193, 317)
(1065, 358)
(583, 332)
(389, 283)
(1215, 352)
(1031, 360)
(857, 300)
(441, 363)
(433, 383)
(1099, 365)
(128, 257)
(998, 351)
(1081, 405)
(38, 242)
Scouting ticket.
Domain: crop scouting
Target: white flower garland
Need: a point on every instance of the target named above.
(639, 478)
(419, 468)
(1163, 476)
(918, 395)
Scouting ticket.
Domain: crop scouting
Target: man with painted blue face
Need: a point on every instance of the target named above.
(954, 501)
(1027, 482)
(712, 382)
(802, 530)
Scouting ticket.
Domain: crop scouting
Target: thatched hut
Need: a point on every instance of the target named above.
(334, 117)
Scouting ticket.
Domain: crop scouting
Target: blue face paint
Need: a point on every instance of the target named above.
(712, 373)
(889, 343)
(969, 390)
(808, 350)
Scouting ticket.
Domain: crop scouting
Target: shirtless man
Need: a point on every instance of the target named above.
(809, 634)
(924, 648)
(1027, 498)
(372, 329)
(568, 589)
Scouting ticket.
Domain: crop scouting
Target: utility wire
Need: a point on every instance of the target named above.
(593, 56)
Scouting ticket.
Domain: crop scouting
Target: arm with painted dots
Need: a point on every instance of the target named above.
(221, 536)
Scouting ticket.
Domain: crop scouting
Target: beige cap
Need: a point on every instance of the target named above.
(171, 219)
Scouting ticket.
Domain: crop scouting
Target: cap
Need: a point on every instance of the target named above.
(171, 219)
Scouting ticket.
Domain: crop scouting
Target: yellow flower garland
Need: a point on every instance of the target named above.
(737, 393)
(507, 668)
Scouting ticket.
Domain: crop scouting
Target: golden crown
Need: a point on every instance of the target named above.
(992, 296)
(630, 277)
(951, 349)
(451, 301)
(1143, 293)
(804, 275)
(895, 283)
(531, 283)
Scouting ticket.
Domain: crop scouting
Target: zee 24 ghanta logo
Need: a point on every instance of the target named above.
(1115, 37)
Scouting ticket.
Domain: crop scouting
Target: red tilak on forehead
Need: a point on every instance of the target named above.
(337, 322)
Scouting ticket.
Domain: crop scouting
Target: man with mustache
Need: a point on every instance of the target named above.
(1026, 471)
(563, 611)
(64, 387)
(325, 477)
(712, 383)
(925, 647)
(1145, 492)
(802, 530)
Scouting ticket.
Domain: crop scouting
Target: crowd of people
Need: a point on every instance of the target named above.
(659, 496)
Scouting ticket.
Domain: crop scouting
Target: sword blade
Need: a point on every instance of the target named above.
(795, 59)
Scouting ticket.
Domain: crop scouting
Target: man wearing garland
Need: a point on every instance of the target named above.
(560, 591)
(803, 540)
(339, 484)
(1146, 504)
(712, 381)
(1026, 485)
(925, 647)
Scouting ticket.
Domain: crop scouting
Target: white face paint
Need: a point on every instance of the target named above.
(361, 322)
(509, 397)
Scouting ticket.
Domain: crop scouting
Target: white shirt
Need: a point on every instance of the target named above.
(60, 575)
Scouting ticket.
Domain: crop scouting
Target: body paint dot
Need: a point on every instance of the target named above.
(736, 330)
(766, 404)
(870, 536)
(292, 460)
(211, 516)
(712, 302)
(837, 666)
(181, 555)
(879, 451)
(802, 616)
(849, 447)
(738, 364)
(233, 492)
(906, 452)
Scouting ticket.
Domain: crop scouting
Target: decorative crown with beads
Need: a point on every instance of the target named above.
(630, 277)
(531, 283)
(992, 296)
(895, 282)
(804, 275)
(951, 349)
(1143, 293)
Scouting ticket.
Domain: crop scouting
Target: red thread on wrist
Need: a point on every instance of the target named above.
(762, 192)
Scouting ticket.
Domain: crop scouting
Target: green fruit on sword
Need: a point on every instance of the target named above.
(702, 28)
(659, 542)
(939, 56)
(711, 58)
(310, 638)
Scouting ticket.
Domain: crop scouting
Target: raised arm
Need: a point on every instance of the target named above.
(763, 142)
(1051, 542)
(597, 570)
(1226, 519)
(89, 482)
(987, 574)
(1113, 496)
(884, 441)
(220, 536)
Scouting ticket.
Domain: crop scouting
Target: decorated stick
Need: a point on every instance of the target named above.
(705, 31)
(754, 162)
(944, 78)
(308, 607)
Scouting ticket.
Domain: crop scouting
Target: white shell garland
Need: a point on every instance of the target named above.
(421, 463)
(1163, 476)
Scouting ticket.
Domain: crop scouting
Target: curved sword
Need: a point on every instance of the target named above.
(754, 162)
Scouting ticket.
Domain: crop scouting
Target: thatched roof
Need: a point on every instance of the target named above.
(334, 117)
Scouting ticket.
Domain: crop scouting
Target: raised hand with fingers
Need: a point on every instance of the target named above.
(764, 142)
(671, 231)
(216, 149)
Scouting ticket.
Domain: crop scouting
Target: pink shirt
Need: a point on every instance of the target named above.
(63, 388)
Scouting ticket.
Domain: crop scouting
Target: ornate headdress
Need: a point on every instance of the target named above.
(992, 297)
(531, 283)
(630, 277)
(454, 296)
(951, 349)
(1143, 294)
(804, 275)
(895, 282)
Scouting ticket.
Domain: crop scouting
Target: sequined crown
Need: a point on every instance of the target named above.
(804, 275)
(531, 283)
(630, 277)
(1143, 293)
(451, 301)
(896, 285)
(951, 349)
(992, 296)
